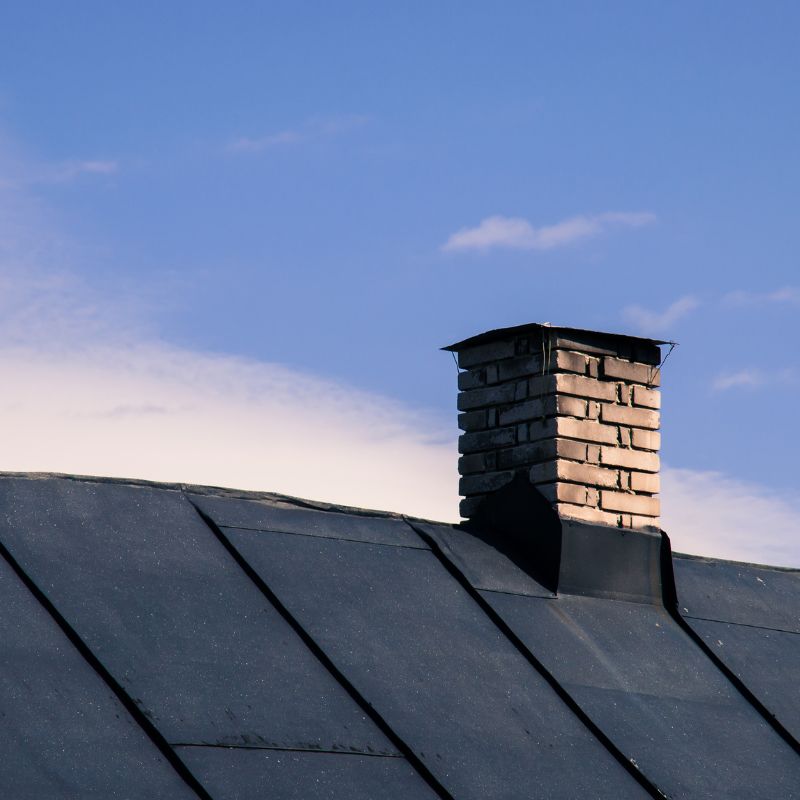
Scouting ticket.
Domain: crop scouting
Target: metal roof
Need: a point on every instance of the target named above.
(538, 327)
(164, 641)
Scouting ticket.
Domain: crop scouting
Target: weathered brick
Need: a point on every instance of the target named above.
(646, 440)
(490, 396)
(645, 482)
(572, 406)
(534, 365)
(519, 367)
(645, 523)
(526, 454)
(477, 462)
(592, 343)
(625, 436)
(629, 503)
(582, 386)
(471, 379)
(483, 483)
(566, 427)
(544, 406)
(592, 453)
(640, 460)
(570, 362)
(469, 505)
(544, 450)
(561, 470)
(483, 353)
(624, 394)
(586, 514)
(593, 367)
(616, 368)
(487, 440)
(627, 415)
(649, 398)
(568, 493)
(542, 385)
(473, 420)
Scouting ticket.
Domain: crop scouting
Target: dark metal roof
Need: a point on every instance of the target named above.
(538, 327)
(163, 641)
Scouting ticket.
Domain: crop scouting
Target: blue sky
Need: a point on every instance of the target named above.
(342, 188)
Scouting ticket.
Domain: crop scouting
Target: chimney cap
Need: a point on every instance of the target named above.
(534, 327)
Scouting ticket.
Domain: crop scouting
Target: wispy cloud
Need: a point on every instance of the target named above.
(17, 176)
(740, 378)
(516, 233)
(787, 295)
(651, 322)
(751, 378)
(712, 514)
(312, 129)
(70, 170)
(107, 397)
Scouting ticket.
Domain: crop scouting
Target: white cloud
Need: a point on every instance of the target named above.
(753, 378)
(313, 129)
(69, 170)
(516, 233)
(711, 514)
(742, 377)
(249, 145)
(152, 411)
(788, 295)
(59, 172)
(652, 323)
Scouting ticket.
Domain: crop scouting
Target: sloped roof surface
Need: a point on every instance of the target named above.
(170, 642)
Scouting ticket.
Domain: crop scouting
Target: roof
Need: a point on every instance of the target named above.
(168, 641)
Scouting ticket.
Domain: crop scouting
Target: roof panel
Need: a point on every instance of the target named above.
(767, 661)
(264, 516)
(728, 591)
(236, 774)
(656, 695)
(64, 733)
(154, 594)
(427, 658)
(484, 566)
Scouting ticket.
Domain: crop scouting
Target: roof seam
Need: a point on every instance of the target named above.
(671, 605)
(105, 675)
(321, 536)
(319, 750)
(740, 624)
(631, 768)
(324, 659)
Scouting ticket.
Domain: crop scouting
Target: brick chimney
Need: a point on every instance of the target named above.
(574, 410)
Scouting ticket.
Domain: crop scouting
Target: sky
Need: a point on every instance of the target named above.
(234, 237)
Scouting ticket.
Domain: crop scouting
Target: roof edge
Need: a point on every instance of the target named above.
(532, 327)
(224, 491)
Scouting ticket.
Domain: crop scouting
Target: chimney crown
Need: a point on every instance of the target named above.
(576, 411)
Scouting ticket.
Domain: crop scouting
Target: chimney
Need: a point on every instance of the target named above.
(575, 411)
